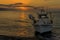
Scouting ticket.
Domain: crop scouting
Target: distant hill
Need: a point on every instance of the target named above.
(11, 5)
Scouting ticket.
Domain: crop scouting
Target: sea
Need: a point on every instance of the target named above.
(14, 23)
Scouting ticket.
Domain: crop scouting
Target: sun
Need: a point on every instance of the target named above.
(23, 8)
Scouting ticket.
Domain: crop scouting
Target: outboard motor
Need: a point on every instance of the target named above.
(32, 18)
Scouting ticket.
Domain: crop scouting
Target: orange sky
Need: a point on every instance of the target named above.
(14, 1)
(49, 3)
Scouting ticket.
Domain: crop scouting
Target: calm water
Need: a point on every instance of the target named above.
(13, 24)
(56, 19)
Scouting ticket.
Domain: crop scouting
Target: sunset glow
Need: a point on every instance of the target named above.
(25, 1)
(22, 16)
(23, 8)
